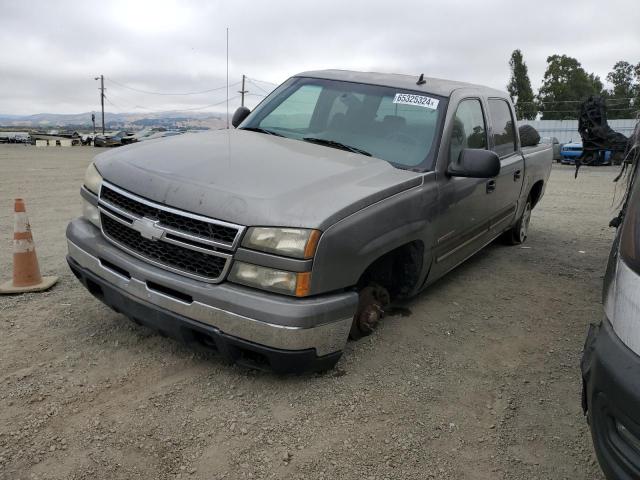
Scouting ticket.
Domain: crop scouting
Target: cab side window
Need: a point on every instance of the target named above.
(504, 133)
(469, 129)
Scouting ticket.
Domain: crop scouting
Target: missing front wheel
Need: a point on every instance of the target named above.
(373, 299)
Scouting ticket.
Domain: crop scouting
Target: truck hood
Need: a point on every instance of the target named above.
(251, 178)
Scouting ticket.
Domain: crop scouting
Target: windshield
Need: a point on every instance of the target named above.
(392, 124)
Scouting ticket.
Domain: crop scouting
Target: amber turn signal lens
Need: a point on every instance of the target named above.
(303, 284)
(312, 244)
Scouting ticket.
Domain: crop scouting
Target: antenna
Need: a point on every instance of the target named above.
(421, 80)
(228, 78)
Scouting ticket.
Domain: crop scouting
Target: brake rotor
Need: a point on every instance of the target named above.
(372, 302)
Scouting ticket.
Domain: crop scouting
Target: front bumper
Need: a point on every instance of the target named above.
(244, 325)
(611, 396)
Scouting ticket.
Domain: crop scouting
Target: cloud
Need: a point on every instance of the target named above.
(53, 50)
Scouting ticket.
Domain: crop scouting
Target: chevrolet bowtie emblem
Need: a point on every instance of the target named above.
(148, 228)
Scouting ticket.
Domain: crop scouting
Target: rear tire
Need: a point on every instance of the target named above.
(518, 233)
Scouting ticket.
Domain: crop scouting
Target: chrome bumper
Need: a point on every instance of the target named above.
(325, 338)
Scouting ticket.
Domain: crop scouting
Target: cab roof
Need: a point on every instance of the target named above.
(436, 86)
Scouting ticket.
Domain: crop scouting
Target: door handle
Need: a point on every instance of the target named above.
(491, 186)
(517, 174)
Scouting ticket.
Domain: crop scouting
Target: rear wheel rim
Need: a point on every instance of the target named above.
(524, 224)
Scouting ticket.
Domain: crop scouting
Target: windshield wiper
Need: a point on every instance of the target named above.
(334, 144)
(262, 130)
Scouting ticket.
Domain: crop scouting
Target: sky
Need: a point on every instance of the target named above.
(50, 52)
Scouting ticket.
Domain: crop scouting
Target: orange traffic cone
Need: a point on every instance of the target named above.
(26, 273)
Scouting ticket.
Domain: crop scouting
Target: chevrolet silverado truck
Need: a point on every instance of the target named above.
(274, 242)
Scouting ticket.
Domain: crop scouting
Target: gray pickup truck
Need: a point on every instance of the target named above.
(276, 241)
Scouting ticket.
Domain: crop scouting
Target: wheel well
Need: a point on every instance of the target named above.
(536, 192)
(398, 270)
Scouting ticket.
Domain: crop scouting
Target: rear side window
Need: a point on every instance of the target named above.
(504, 133)
(469, 130)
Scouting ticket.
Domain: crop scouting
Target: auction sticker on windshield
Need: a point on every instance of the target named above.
(419, 100)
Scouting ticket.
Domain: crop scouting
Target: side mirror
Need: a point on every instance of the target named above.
(475, 163)
(239, 115)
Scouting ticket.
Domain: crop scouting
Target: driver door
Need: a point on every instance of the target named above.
(462, 226)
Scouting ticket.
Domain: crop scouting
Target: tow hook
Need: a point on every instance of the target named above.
(373, 299)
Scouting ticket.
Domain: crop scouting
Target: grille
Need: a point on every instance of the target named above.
(211, 231)
(180, 258)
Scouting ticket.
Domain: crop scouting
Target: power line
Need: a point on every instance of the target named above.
(149, 110)
(264, 81)
(200, 108)
(235, 97)
(128, 104)
(132, 104)
(118, 98)
(256, 85)
(168, 93)
(111, 103)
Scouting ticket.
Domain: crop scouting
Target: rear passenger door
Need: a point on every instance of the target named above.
(508, 184)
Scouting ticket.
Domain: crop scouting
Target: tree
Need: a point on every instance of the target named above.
(565, 85)
(620, 97)
(520, 88)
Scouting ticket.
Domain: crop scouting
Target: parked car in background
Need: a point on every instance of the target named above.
(115, 140)
(573, 150)
(274, 242)
(126, 138)
(151, 134)
(611, 358)
(553, 141)
(570, 151)
(106, 141)
(15, 137)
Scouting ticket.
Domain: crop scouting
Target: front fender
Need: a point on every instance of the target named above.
(351, 245)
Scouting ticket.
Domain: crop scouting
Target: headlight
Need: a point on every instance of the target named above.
(622, 297)
(90, 212)
(630, 234)
(622, 305)
(289, 283)
(92, 179)
(289, 242)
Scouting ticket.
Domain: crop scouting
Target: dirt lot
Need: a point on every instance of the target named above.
(479, 381)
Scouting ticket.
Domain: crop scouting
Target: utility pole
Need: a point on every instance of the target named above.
(243, 91)
(101, 77)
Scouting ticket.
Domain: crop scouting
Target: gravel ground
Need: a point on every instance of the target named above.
(477, 378)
